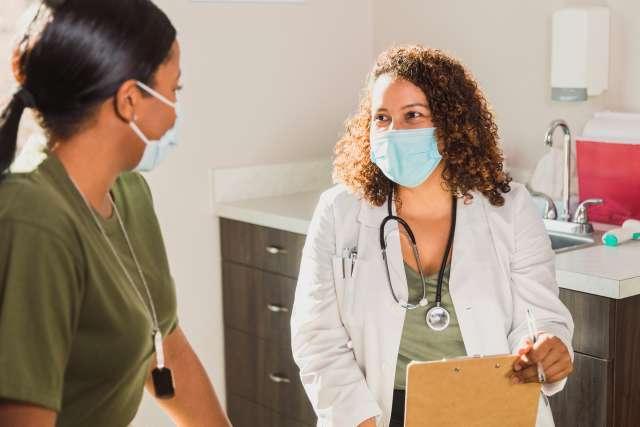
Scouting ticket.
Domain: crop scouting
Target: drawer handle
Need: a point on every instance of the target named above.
(277, 308)
(279, 379)
(275, 250)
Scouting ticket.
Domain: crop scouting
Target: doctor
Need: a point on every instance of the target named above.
(426, 250)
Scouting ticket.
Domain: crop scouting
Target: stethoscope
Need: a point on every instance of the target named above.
(438, 318)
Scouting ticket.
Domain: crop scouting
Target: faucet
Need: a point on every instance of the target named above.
(548, 140)
(580, 216)
(550, 211)
(579, 222)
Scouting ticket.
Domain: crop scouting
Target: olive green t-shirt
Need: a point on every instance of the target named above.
(419, 342)
(74, 336)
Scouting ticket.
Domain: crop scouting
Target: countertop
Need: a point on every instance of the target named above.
(597, 270)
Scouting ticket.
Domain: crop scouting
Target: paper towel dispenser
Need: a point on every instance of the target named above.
(580, 53)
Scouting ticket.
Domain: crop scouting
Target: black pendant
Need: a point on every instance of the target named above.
(163, 383)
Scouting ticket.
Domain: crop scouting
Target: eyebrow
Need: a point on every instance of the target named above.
(417, 104)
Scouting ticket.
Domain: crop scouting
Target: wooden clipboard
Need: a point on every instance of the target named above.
(469, 392)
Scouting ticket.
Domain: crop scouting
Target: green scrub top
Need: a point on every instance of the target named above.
(74, 336)
(419, 342)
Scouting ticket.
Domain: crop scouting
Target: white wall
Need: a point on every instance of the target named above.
(506, 45)
(12, 19)
(625, 55)
(263, 84)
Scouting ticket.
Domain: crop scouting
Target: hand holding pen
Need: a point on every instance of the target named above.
(543, 357)
(533, 337)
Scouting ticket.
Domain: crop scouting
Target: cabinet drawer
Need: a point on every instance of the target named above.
(244, 413)
(266, 374)
(257, 302)
(269, 249)
(586, 399)
(594, 319)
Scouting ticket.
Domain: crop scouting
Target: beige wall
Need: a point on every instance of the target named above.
(263, 84)
(625, 55)
(506, 44)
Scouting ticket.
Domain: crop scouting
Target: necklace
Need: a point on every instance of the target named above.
(162, 377)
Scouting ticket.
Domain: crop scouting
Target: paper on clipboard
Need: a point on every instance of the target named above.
(469, 392)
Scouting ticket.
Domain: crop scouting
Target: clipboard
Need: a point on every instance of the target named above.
(469, 392)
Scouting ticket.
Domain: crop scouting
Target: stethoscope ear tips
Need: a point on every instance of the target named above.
(424, 302)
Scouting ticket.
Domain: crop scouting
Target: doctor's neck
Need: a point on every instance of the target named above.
(430, 199)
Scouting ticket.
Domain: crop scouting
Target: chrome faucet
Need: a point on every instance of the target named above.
(580, 216)
(550, 211)
(548, 140)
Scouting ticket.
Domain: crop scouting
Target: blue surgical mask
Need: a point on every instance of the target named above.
(157, 150)
(406, 157)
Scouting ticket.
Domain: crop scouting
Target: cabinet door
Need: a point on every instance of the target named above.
(244, 413)
(594, 319)
(266, 248)
(265, 373)
(257, 302)
(586, 401)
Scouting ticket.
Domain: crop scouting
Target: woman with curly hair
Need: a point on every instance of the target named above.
(425, 250)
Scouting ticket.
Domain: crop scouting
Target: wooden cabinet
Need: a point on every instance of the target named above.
(604, 389)
(259, 270)
(260, 266)
(586, 397)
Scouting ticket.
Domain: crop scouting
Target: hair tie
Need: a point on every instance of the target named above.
(26, 97)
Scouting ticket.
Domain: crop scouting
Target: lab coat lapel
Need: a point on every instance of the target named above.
(474, 272)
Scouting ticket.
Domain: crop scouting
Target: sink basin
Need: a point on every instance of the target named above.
(567, 236)
(567, 242)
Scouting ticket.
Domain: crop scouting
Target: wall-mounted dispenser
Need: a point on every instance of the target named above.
(580, 53)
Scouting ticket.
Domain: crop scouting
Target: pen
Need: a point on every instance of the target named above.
(345, 254)
(533, 333)
(354, 257)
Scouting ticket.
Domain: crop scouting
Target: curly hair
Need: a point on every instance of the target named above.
(465, 127)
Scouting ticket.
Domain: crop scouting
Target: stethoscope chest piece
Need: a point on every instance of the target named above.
(438, 318)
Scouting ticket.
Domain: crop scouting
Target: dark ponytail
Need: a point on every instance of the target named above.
(75, 55)
(9, 123)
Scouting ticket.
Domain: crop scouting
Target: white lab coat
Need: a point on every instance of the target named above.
(346, 332)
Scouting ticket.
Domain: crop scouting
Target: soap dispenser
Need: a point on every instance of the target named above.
(579, 53)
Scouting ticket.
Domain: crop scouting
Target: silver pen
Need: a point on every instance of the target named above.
(354, 257)
(533, 334)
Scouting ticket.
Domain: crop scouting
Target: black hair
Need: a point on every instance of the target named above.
(75, 55)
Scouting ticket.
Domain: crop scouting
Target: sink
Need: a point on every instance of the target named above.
(567, 242)
(566, 236)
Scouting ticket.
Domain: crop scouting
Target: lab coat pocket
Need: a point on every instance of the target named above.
(345, 284)
(339, 279)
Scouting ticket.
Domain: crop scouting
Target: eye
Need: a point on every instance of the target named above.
(413, 115)
(379, 118)
(178, 88)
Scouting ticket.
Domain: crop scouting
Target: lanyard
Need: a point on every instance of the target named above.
(162, 377)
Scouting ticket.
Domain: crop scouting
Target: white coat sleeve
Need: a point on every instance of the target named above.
(330, 375)
(533, 282)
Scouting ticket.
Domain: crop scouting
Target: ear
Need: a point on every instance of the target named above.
(16, 66)
(126, 99)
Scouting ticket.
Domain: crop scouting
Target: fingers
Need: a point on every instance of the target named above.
(527, 375)
(523, 361)
(540, 351)
(559, 371)
(551, 353)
